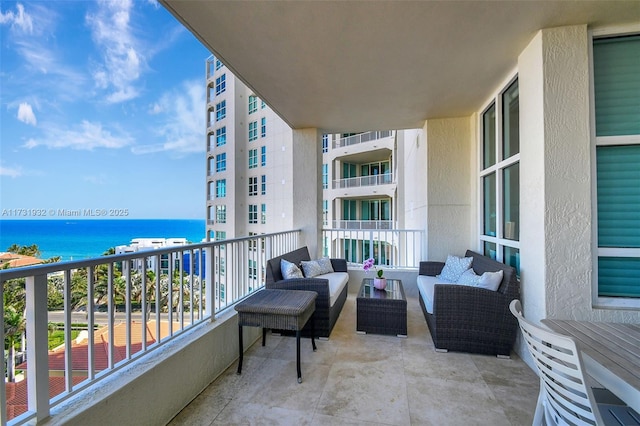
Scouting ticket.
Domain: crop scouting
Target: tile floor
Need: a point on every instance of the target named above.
(356, 379)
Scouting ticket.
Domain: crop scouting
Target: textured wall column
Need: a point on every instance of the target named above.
(307, 188)
(556, 249)
(450, 191)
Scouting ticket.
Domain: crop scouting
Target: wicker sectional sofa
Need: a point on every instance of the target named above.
(470, 319)
(331, 288)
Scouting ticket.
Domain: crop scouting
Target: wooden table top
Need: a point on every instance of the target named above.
(611, 354)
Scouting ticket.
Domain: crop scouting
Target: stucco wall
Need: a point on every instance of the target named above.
(556, 180)
(414, 179)
(450, 191)
(307, 188)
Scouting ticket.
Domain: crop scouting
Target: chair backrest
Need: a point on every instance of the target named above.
(567, 398)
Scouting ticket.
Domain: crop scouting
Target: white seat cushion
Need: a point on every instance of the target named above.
(337, 281)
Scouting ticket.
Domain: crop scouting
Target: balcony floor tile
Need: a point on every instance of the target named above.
(356, 379)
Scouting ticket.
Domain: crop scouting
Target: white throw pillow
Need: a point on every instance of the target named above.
(290, 270)
(469, 277)
(491, 280)
(311, 268)
(325, 265)
(454, 267)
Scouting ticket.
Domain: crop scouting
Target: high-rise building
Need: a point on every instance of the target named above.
(249, 160)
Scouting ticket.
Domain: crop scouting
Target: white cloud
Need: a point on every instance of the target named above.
(183, 129)
(19, 21)
(26, 115)
(86, 136)
(122, 59)
(13, 172)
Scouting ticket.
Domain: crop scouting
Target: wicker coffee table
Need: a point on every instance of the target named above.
(381, 311)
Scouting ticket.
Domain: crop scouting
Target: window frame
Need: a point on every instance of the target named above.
(253, 214)
(221, 136)
(221, 162)
(496, 168)
(221, 84)
(253, 158)
(221, 110)
(253, 104)
(253, 131)
(606, 302)
(253, 186)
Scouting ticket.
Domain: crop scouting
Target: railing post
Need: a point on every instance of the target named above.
(37, 346)
(208, 278)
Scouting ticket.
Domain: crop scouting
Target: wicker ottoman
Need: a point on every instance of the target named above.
(277, 309)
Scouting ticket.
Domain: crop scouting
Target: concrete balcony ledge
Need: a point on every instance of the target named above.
(154, 388)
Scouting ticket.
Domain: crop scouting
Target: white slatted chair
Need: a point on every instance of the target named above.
(565, 398)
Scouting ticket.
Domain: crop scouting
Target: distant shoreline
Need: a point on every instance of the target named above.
(81, 238)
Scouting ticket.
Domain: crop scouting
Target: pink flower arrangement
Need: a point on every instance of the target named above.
(370, 264)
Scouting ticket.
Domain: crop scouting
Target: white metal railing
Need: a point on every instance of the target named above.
(133, 283)
(395, 248)
(363, 224)
(371, 180)
(363, 137)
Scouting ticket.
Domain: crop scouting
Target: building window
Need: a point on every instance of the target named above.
(253, 269)
(616, 79)
(325, 212)
(253, 213)
(263, 156)
(325, 176)
(263, 105)
(263, 213)
(253, 158)
(221, 136)
(253, 104)
(218, 64)
(221, 84)
(221, 110)
(263, 185)
(263, 127)
(221, 235)
(221, 162)
(221, 188)
(325, 143)
(253, 186)
(374, 210)
(221, 214)
(500, 177)
(253, 131)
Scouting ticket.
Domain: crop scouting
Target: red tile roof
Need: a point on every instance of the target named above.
(17, 392)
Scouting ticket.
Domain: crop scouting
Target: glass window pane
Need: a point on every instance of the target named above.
(618, 182)
(616, 74)
(489, 137)
(510, 121)
(489, 211)
(511, 257)
(511, 202)
(489, 249)
(619, 277)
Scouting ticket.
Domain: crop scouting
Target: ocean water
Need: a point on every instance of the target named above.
(86, 238)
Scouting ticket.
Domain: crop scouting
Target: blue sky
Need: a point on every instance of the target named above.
(102, 107)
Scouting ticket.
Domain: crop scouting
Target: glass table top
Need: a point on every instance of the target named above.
(393, 291)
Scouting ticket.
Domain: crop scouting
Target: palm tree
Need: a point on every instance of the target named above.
(14, 326)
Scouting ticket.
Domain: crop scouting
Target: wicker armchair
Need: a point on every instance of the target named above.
(471, 319)
(326, 314)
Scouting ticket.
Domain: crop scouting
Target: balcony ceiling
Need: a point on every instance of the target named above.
(356, 66)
